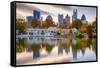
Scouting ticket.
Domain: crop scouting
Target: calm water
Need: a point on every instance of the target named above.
(42, 50)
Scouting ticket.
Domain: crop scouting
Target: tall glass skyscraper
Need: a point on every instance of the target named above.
(36, 14)
(74, 16)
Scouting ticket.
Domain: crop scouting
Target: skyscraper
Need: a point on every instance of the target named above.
(60, 19)
(83, 19)
(67, 19)
(29, 19)
(36, 14)
(74, 16)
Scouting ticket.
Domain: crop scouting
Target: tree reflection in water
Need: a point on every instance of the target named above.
(36, 44)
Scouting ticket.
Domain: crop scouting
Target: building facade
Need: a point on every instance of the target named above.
(60, 19)
(29, 19)
(36, 14)
(83, 18)
(74, 16)
(67, 19)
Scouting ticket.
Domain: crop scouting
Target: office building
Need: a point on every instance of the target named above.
(67, 19)
(83, 18)
(29, 19)
(74, 16)
(60, 19)
(36, 14)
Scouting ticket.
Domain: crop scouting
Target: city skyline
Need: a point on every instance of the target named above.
(48, 31)
(24, 10)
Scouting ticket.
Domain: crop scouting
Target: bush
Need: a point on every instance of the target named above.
(79, 34)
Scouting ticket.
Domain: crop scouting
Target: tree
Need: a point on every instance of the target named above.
(43, 25)
(49, 23)
(84, 27)
(68, 26)
(35, 23)
(94, 26)
(89, 32)
(76, 24)
(21, 26)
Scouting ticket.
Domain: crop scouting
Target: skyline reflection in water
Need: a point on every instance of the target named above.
(40, 50)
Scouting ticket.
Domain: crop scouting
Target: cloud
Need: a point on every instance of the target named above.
(25, 8)
(63, 7)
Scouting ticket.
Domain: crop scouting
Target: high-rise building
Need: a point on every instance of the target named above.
(29, 19)
(83, 19)
(67, 19)
(36, 14)
(60, 19)
(74, 16)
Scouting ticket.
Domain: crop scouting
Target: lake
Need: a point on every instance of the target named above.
(44, 50)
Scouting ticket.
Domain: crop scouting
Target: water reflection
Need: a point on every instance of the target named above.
(78, 49)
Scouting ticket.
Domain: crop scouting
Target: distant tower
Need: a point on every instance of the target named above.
(60, 19)
(36, 14)
(74, 16)
(83, 19)
(67, 19)
(29, 19)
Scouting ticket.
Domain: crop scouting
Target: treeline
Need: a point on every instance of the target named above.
(49, 23)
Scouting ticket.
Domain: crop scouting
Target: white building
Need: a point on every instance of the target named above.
(51, 31)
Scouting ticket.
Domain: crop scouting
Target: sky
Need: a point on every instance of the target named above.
(26, 9)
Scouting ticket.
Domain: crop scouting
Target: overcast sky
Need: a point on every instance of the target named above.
(26, 9)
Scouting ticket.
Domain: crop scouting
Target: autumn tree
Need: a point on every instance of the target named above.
(35, 23)
(84, 27)
(68, 26)
(21, 26)
(49, 22)
(76, 24)
(94, 26)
